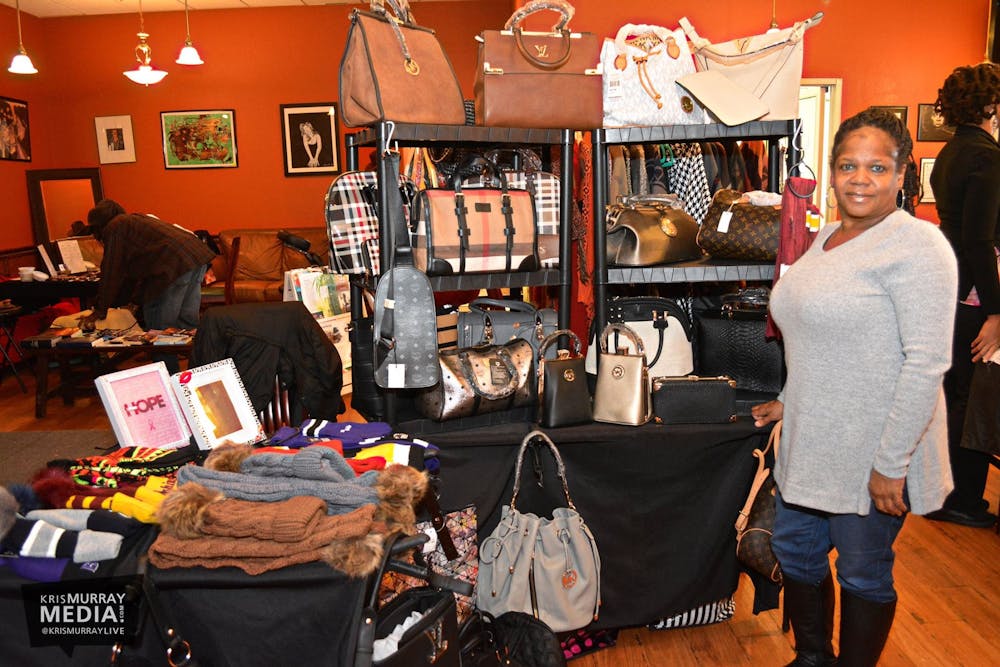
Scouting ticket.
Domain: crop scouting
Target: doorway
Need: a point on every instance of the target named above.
(819, 113)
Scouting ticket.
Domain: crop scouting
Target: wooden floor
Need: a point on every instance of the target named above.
(948, 578)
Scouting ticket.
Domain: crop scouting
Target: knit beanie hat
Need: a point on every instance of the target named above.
(311, 430)
(194, 510)
(313, 471)
(354, 537)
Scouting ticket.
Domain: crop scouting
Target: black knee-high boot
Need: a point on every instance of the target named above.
(810, 608)
(864, 628)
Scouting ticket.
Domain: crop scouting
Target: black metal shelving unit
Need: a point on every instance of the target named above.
(702, 270)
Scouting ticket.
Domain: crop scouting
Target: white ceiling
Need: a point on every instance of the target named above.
(51, 8)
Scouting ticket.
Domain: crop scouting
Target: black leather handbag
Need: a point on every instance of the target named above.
(731, 341)
(562, 384)
(691, 399)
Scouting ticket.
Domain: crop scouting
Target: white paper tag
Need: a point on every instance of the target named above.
(615, 87)
(397, 376)
(431, 544)
(724, 222)
(782, 269)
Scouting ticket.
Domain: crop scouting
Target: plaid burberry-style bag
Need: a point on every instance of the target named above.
(544, 189)
(352, 220)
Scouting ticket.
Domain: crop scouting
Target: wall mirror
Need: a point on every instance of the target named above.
(58, 197)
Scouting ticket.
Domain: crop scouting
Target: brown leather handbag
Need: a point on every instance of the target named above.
(394, 69)
(734, 230)
(539, 79)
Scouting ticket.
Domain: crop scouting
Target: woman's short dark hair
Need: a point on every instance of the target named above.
(880, 119)
(967, 92)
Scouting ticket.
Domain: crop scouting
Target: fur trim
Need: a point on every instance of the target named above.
(227, 457)
(399, 488)
(357, 557)
(8, 511)
(182, 512)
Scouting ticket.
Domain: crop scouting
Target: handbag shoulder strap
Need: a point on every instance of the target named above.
(560, 466)
(760, 477)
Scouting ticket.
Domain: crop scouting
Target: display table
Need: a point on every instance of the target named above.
(97, 361)
(660, 500)
(35, 294)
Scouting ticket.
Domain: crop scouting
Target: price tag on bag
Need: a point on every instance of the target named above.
(724, 222)
(397, 376)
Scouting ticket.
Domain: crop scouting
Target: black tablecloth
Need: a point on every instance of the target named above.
(660, 500)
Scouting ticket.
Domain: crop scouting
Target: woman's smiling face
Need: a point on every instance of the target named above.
(866, 178)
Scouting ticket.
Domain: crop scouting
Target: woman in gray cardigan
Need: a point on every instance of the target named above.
(866, 319)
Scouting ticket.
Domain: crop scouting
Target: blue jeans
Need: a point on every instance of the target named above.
(180, 304)
(803, 539)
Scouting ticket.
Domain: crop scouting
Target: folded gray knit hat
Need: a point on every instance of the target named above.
(312, 471)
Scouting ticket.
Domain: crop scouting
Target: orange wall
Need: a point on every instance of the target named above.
(893, 52)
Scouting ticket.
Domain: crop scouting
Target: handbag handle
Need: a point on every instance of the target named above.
(400, 14)
(565, 9)
(760, 476)
(560, 466)
(625, 330)
(502, 392)
(482, 304)
(554, 336)
(633, 29)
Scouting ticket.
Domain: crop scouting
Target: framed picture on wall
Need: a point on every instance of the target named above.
(15, 131)
(899, 112)
(926, 193)
(930, 125)
(199, 139)
(114, 139)
(309, 138)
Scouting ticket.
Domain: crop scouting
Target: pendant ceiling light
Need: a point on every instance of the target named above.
(145, 73)
(774, 23)
(189, 55)
(21, 63)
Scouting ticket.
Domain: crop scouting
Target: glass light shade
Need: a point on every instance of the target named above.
(145, 75)
(189, 56)
(21, 64)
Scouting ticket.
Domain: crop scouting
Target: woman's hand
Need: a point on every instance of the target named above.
(887, 494)
(988, 340)
(765, 413)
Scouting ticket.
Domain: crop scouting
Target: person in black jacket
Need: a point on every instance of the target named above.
(966, 184)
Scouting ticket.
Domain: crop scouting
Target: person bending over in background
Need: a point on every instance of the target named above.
(966, 184)
(866, 316)
(148, 262)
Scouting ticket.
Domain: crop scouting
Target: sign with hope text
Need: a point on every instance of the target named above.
(142, 407)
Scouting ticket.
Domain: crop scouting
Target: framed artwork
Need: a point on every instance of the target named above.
(899, 112)
(142, 407)
(926, 193)
(309, 138)
(114, 139)
(930, 125)
(199, 139)
(15, 131)
(217, 405)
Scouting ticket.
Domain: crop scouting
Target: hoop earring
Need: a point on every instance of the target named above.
(900, 199)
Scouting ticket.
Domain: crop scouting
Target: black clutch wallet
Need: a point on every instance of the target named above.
(690, 399)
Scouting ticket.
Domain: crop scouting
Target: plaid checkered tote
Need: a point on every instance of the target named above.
(352, 220)
(544, 190)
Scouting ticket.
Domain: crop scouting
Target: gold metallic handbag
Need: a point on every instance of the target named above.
(645, 231)
(623, 394)
(481, 379)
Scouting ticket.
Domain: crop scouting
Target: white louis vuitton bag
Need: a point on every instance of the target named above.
(640, 69)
